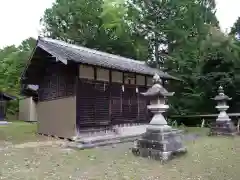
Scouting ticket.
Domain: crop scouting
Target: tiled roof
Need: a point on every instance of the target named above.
(68, 52)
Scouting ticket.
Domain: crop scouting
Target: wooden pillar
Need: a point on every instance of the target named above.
(137, 96)
(123, 79)
(110, 97)
(77, 72)
(146, 100)
(95, 73)
(95, 94)
(77, 126)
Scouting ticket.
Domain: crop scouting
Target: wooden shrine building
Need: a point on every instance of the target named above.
(81, 88)
(4, 98)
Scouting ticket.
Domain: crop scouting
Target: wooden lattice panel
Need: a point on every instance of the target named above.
(58, 81)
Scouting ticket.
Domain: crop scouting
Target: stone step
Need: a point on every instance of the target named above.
(109, 140)
(103, 142)
(118, 132)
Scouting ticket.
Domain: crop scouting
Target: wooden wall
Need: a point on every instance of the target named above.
(106, 97)
(56, 108)
(57, 117)
(106, 75)
(103, 97)
(58, 81)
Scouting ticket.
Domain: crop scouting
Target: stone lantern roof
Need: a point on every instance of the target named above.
(157, 89)
(221, 96)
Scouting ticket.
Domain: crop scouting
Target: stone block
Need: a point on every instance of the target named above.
(223, 128)
(159, 146)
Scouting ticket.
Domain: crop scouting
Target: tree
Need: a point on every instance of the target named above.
(12, 62)
(86, 22)
(181, 30)
(27, 45)
(222, 65)
(170, 24)
(235, 29)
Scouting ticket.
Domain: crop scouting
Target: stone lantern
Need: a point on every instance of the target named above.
(159, 141)
(223, 124)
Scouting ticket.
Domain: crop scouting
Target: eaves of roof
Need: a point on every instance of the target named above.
(65, 52)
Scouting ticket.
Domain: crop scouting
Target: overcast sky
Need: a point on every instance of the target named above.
(20, 18)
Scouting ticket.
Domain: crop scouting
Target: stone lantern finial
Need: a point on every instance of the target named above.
(220, 90)
(157, 79)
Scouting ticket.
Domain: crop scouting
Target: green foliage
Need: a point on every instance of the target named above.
(171, 25)
(95, 24)
(12, 62)
(236, 27)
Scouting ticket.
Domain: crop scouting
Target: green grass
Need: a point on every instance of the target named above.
(19, 132)
(208, 158)
(195, 130)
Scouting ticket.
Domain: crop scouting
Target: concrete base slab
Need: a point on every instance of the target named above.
(115, 140)
(116, 135)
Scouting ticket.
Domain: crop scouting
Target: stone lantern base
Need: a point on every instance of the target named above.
(159, 145)
(223, 128)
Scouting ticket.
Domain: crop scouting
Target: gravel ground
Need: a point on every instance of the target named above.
(25, 156)
(208, 158)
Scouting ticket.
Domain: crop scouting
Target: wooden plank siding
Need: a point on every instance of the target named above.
(95, 106)
(58, 81)
(107, 97)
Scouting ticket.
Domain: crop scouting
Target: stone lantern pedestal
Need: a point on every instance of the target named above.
(223, 124)
(159, 141)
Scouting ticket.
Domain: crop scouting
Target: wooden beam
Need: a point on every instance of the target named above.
(44, 57)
